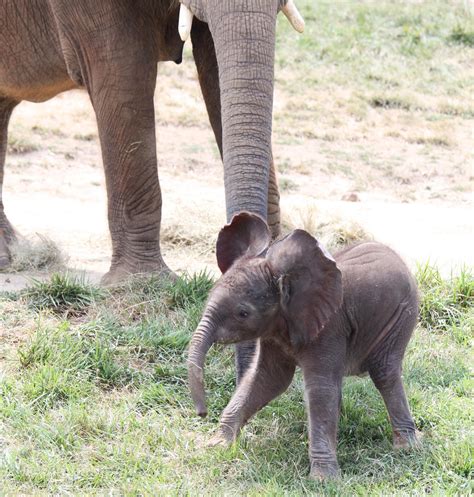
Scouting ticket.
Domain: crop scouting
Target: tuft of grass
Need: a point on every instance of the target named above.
(63, 293)
(461, 36)
(200, 237)
(444, 303)
(35, 255)
(150, 298)
(21, 145)
(88, 137)
(334, 232)
(340, 234)
(287, 185)
(63, 364)
(189, 290)
(386, 102)
(437, 141)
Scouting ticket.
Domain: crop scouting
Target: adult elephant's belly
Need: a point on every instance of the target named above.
(32, 76)
(36, 92)
(32, 65)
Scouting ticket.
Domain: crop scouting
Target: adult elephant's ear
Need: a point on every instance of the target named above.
(246, 235)
(310, 284)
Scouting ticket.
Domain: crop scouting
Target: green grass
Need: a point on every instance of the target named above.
(408, 56)
(99, 404)
(444, 306)
(63, 294)
(461, 36)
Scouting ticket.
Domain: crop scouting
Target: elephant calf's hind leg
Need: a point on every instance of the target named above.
(391, 388)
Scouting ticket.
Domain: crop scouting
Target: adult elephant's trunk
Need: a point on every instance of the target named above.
(244, 39)
(201, 342)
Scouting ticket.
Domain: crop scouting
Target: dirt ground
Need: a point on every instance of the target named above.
(412, 191)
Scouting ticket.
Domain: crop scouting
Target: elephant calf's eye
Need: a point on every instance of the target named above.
(243, 314)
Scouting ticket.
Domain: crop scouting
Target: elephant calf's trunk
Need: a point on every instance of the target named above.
(200, 344)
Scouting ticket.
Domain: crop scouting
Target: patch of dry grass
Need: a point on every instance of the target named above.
(332, 231)
(199, 235)
(19, 145)
(39, 254)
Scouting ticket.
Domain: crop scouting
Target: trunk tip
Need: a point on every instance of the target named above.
(202, 412)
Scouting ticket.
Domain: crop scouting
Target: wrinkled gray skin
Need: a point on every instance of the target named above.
(111, 48)
(332, 318)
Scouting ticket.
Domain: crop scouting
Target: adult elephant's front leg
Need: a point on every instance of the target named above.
(123, 103)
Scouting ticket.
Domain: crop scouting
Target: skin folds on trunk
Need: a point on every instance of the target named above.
(244, 37)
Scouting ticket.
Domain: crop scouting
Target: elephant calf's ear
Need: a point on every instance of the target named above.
(310, 284)
(246, 235)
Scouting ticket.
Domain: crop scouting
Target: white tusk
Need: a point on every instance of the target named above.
(185, 22)
(292, 14)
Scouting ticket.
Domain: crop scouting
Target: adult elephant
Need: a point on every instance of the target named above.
(111, 48)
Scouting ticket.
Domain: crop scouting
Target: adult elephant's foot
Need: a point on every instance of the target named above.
(325, 471)
(4, 254)
(121, 271)
(407, 439)
(7, 237)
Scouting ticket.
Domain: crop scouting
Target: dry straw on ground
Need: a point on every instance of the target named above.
(36, 254)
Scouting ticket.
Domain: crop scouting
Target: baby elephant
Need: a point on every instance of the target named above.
(331, 317)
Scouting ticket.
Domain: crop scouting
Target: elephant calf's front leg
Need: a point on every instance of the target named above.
(269, 376)
(324, 400)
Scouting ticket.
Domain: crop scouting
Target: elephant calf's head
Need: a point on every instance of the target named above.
(292, 286)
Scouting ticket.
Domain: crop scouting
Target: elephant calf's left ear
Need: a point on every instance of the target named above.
(310, 284)
(246, 235)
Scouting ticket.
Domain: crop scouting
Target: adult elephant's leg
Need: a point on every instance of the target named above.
(123, 102)
(7, 234)
(110, 47)
(206, 64)
(244, 353)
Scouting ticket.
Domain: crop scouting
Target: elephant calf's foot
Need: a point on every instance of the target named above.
(407, 439)
(325, 471)
(223, 438)
(120, 272)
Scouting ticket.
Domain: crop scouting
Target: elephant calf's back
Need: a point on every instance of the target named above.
(380, 297)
